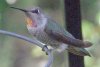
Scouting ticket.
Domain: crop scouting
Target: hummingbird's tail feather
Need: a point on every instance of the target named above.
(78, 51)
(87, 44)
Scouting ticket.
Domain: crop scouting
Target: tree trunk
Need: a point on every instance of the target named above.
(73, 25)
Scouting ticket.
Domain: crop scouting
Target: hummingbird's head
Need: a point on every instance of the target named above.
(34, 17)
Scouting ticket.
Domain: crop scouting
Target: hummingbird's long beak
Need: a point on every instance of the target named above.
(19, 9)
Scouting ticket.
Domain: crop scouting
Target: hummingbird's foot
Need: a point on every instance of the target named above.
(45, 46)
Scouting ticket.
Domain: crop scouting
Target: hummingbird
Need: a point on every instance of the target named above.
(51, 33)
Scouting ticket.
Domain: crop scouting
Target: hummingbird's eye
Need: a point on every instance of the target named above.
(35, 11)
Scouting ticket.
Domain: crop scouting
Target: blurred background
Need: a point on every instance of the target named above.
(18, 53)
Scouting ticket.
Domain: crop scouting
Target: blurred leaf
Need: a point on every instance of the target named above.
(87, 29)
(49, 4)
(89, 8)
(98, 18)
(3, 5)
(89, 61)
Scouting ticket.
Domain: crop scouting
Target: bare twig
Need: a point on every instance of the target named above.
(33, 41)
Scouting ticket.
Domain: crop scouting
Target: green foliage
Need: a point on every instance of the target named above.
(3, 6)
(49, 4)
(87, 28)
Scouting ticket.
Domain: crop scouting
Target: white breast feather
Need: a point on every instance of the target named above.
(62, 47)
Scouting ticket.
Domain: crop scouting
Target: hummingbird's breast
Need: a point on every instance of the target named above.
(41, 35)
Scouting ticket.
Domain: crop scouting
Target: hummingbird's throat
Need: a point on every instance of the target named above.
(30, 22)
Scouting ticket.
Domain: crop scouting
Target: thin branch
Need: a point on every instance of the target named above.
(33, 41)
(50, 59)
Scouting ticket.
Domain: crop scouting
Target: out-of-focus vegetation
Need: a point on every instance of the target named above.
(18, 53)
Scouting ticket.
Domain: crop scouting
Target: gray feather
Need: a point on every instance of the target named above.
(55, 27)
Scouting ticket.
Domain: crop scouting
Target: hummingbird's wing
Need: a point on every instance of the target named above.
(55, 31)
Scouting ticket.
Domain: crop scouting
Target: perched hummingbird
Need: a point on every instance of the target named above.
(48, 31)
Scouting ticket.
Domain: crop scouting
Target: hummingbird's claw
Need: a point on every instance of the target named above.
(45, 46)
(46, 53)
